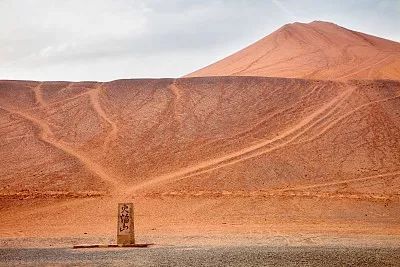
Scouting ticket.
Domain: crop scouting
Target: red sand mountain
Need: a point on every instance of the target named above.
(214, 155)
(317, 50)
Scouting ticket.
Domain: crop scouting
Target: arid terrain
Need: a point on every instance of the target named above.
(311, 159)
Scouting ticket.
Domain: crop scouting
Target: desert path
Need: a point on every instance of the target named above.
(46, 136)
(177, 98)
(94, 98)
(334, 122)
(38, 95)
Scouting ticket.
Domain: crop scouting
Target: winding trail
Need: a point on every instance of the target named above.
(46, 135)
(38, 95)
(95, 100)
(348, 114)
(177, 97)
(252, 151)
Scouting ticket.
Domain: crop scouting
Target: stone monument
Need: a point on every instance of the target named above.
(126, 228)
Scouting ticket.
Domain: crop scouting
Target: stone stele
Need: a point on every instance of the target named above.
(126, 229)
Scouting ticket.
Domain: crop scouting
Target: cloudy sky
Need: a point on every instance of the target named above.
(112, 39)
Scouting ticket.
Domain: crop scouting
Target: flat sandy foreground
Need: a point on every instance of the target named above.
(201, 230)
(204, 256)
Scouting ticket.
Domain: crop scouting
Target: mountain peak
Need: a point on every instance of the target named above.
(315, 23)
(323, 22)
(311, 23)
(315, 50)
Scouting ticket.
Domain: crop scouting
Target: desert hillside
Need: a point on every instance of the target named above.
(317, 50)
(200, 134)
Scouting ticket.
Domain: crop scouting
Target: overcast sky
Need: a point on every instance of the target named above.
(113, 39)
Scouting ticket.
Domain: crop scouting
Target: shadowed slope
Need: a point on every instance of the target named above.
(317, 50)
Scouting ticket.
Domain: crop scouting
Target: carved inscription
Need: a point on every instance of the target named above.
(124, 219)
(125, 230)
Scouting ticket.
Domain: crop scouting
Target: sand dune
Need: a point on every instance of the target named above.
(317, 50)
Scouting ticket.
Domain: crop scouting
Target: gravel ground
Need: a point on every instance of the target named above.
(202, 256)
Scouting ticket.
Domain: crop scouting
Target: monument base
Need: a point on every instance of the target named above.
(125, 239)
(113, 246)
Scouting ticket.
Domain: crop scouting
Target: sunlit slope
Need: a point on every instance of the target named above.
(317, 50)
(215, 135)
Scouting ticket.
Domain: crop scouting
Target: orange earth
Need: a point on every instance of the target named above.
(213, 159)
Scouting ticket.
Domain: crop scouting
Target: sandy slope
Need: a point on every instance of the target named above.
(217, 155)
(317, 50)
